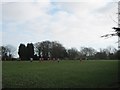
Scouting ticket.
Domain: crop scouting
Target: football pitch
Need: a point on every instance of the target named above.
(63, 74)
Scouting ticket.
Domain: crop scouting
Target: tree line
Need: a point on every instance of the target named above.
(53, 50)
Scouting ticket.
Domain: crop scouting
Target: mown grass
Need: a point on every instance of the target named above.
(65, 74)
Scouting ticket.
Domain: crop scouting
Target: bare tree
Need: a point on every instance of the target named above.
(87, 51)
(117, 29)
(7, 52)
(10, 49)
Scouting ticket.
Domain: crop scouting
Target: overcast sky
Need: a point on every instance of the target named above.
(74, 23)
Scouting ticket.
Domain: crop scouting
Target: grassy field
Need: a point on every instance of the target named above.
(65, 74)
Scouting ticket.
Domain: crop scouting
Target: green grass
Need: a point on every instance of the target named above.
(65, 74)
